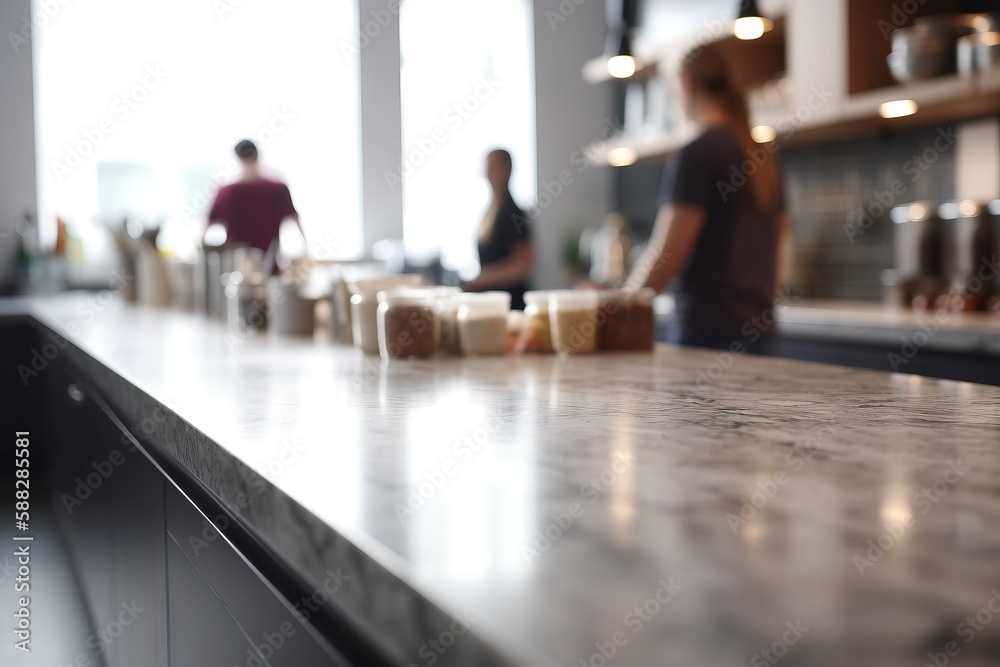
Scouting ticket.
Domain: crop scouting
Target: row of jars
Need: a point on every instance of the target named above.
(397, 317)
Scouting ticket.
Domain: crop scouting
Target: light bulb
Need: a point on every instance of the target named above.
(763, 134)
(621, 67)
(622, 156)
(897, 108)
(751, 27)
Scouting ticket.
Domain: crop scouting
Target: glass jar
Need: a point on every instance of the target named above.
(573, 321)
(407, 323)
(482, 323)
(364, 307)
(625, 320)
(446, 303)
(537, 328)
(246, 303)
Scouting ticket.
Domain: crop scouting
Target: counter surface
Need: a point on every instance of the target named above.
(873, 323)
(682, 507)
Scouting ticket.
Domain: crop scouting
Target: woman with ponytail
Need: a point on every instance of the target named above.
(720, 221)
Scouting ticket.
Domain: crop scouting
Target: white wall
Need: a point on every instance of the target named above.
(17, 133)
(569, 114)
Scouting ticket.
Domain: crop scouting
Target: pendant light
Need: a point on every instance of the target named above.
(622, 19)
(622, 64)
(751, 24)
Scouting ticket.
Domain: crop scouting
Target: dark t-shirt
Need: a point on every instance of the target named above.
(252, 211)
(510, 228)
(729, 279)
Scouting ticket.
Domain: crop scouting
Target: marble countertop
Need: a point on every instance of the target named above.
(682, 507)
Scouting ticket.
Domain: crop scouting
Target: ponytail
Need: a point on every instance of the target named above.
(710, 73)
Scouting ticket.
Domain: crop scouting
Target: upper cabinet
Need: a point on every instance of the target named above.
(820, 75)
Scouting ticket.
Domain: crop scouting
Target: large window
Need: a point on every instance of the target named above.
(467, 85)
(139, 104)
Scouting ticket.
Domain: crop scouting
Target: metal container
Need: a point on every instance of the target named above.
(289, 313)
(920, 255)
(978, 52)
(928, 48)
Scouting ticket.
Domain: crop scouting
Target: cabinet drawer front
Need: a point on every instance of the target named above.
(262, 612)
(202, 631)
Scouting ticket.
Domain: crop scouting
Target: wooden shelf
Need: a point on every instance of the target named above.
(941, 100)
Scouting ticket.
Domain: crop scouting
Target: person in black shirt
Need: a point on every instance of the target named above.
(506, 257)
(720, 221)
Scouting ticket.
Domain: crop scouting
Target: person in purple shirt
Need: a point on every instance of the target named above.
(252, 208)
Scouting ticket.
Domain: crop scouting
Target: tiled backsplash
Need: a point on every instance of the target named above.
(838, 196)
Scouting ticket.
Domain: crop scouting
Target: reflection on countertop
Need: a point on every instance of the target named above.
(674, 508)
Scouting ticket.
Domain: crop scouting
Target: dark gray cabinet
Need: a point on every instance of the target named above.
(163, 585)
(267, 618)
(110, 502)
(202, 632)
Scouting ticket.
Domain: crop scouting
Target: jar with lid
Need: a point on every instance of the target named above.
(625, 320)
(447, 301)
(364, 307)
(482, 323)
(407, 323)
(573, 321)
(537, 329)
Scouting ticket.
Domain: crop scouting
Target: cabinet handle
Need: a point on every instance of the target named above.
(75, 392)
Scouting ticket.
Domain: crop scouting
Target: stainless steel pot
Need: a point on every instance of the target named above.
(928, 48)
